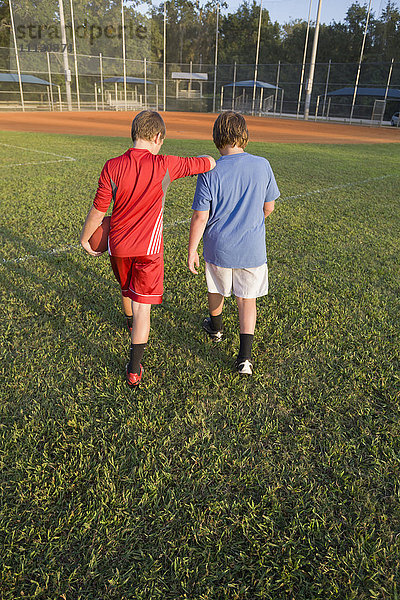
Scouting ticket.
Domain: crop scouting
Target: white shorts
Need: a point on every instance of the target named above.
(245, 283)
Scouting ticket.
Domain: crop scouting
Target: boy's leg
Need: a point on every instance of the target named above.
(140, 335)
(247, 319)
(215, 306)
(141, 322)
(127, 308)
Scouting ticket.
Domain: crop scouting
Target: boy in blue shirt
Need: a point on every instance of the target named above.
(230, 206)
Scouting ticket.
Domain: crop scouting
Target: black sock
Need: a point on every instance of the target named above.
(246, 342)
(216, 322)
(129, 320)
(137, 351)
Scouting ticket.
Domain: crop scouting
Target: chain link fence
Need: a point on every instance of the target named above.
(106, 83)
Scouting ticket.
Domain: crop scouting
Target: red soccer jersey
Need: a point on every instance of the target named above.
(137, 181)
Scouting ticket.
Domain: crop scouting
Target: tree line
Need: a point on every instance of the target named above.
(191, 28)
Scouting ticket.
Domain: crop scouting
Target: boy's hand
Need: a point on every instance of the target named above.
(88, 249)
(193, 262)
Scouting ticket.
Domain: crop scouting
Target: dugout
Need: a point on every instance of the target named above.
(374, 104)
(242, 93)
(136, 97)
(9, 89)
(191, 78)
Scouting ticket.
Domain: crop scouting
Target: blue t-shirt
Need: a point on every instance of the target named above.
(235, 192)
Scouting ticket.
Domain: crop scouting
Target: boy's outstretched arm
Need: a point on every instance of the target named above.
(197, 227)
(93, 221)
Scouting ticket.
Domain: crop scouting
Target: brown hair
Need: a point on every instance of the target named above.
(146, 125)
(230, 129)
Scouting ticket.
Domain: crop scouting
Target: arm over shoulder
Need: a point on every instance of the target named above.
(182, 167)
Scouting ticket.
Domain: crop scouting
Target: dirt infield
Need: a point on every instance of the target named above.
(197, 126)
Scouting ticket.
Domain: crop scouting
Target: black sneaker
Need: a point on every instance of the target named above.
(244, 366)
(215, 334)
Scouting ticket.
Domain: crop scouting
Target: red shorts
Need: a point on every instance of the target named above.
(141, 278)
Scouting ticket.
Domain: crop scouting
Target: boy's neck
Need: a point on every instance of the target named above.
(152, 146)
(228, 150)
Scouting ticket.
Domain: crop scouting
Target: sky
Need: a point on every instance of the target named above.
(331, 10)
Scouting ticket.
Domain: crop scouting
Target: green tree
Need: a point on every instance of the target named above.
(5, 26)
(239, 35)
(387, 34)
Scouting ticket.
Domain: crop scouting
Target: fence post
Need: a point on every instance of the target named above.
(326, 86)
(145, 81)
(59, 98)
(277, 84)
(95, 96)
(234, 86)
(51, 83)
(387, 90)
(101, 80)
(316, 108)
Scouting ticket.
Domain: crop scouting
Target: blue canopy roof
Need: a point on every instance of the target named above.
(128, 80)
(367, 91)
(13, 78)
(250, 83)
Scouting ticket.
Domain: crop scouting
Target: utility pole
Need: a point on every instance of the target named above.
(256, 63)
(165, 58)
(303, 66)
(312, 65)
(360, 61)
(216, 59)
(17, 57)
(67, 71)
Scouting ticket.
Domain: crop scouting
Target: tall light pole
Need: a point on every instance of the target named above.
(256, 64)
(312, 65)
(123, 50)
(216, 59)
(17, 58)
(67, 71)
(360, 61)
(304, 59)
(75, 57)
(165, 59)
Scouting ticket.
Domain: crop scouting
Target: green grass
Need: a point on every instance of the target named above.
(202, 486)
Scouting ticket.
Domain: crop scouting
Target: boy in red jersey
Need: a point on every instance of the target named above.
(137, 183)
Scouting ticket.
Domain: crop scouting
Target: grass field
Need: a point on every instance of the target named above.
(201, 486)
